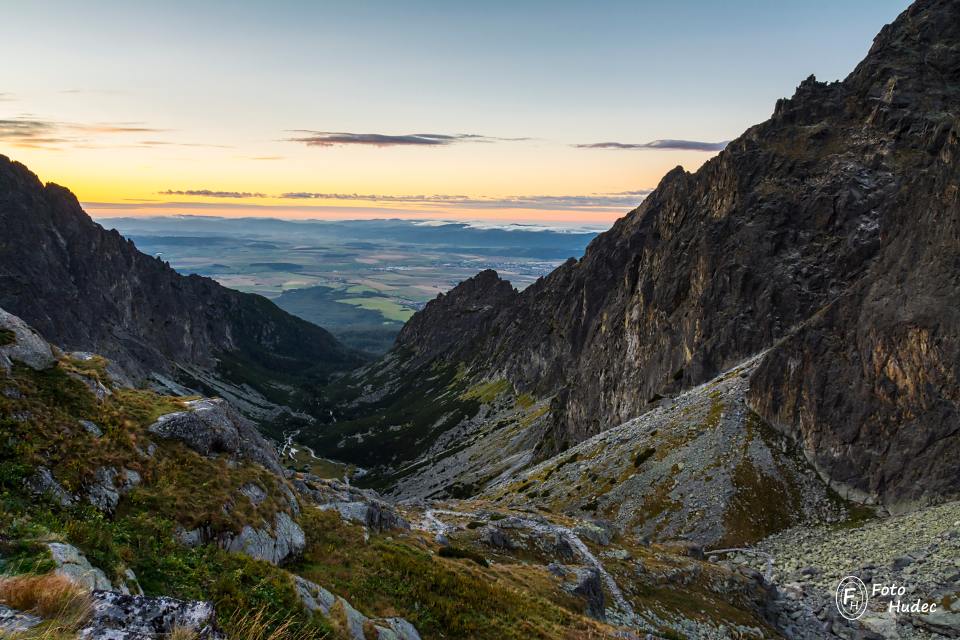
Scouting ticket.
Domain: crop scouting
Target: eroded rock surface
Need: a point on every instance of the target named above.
(20, 343)
(122, 617)
(210, 426)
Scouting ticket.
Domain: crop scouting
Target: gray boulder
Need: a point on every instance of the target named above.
(599, 533)
(496, 537)
(108, 485)
(75, 566)
(314, 597)
(275, 544)
(92, 428)
(24, 346)
(123, 617)
(318, 600)
(362, 506)
(210, 426)
(42, 482)
(13, 622)
(103, 493)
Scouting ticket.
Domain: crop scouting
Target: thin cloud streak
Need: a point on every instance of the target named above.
(682, 145)
(605, 201)
(342, 138)
(30, 132)
(209, 193)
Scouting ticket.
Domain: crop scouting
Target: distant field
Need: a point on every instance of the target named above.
(359, 279)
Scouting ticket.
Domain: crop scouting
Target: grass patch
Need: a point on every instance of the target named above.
(443, 597)
(48, 596)
(7, 337)
(488, 391)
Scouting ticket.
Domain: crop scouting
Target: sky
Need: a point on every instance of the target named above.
(516, 111)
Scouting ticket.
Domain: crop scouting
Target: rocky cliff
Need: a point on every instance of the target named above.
(827, 234)
(88, 289)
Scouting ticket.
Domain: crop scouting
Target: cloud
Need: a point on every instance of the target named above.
(683, 145)
(595, 201)
(7, 97)
(341, 138)
(616, 200)
(26, 131)
(167, 143)
(209, 193)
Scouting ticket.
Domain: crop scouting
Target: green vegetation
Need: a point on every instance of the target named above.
(396, 428)
(179, 488)
(7, 337)
(487, 392)
(388, 308)
(441, 596)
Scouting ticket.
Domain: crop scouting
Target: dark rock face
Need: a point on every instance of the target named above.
(829, 233)
(589, 587)
(870, 383)
(85, 288)
(450, 323)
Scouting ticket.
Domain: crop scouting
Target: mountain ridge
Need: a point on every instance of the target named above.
(88, 289)
(777, 243)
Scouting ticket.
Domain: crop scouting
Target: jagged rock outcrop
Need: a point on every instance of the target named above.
(450, 323)
(362, 506)
(275, 544)
(211, 426)
(828, 234)
(85, 288)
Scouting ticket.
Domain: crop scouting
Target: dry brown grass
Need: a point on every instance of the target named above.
(258, 625)
(182, 633)
(63, 604)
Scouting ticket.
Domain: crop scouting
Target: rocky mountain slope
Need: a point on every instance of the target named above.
(127, 514)
(88, 289)
(826, 238)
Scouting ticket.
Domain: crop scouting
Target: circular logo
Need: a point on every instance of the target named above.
(852, 597)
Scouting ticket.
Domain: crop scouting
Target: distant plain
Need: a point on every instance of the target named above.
(359, 279)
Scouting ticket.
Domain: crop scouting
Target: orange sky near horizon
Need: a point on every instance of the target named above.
(554, 182)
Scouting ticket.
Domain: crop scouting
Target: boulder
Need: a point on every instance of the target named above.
(210, 426)
(92, 428)
(14, 622)
(43, 483)
(313, 596)
(102, 493)
(599, 533)
(496, 537)
(20, 343)
(117, 616)
(75, 566)
(318, 600)
(275, 544)
(362, 506)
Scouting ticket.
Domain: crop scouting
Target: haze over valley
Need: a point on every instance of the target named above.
(359, 279)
